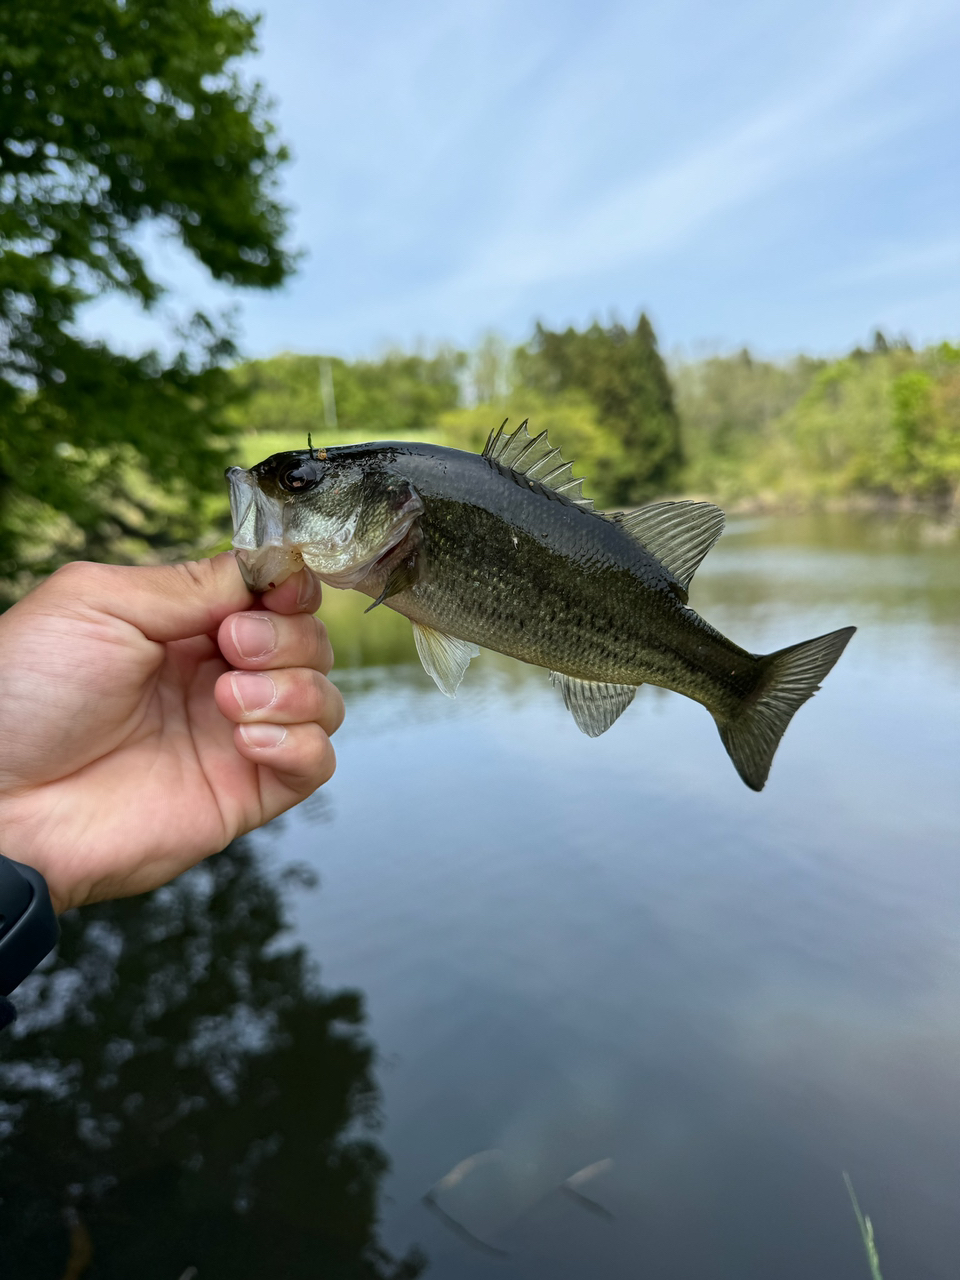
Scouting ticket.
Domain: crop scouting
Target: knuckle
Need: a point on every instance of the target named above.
(316, 759)
(195, 573)
(320, 630)
(334, 707)
(324, 649)
(78, 574)
(327, 762)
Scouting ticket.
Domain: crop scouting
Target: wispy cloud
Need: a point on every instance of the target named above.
(787, 140)
(896, 262)
(466, 166)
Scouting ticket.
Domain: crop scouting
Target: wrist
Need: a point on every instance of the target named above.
(31, 860)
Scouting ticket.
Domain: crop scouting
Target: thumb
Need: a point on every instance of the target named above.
(167, 602)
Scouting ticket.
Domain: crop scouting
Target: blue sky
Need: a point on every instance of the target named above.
(785, 176)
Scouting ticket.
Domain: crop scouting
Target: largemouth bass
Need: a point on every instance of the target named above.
(501, 550)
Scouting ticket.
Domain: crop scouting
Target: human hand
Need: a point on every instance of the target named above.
(125, 753)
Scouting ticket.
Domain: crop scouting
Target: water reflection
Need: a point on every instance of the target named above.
(765, 571)
(584, 953)
(180, 1098)
(600, 956)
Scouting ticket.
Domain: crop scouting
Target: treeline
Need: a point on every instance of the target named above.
(604, 395)
(882, 422)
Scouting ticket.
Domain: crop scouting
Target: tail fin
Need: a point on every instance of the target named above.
(787, 679)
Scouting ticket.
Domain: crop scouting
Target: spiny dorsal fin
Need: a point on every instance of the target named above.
(593, 705)
(679, 534)
(534, 458)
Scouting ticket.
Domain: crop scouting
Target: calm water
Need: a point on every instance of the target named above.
(558, 951)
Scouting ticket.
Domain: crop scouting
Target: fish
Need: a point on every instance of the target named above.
(502, 550)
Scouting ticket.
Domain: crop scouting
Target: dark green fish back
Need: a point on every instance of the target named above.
(512, 565)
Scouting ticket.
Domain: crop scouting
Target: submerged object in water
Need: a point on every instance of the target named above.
(502, 550)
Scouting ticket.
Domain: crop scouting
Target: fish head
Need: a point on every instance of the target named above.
(338, 511)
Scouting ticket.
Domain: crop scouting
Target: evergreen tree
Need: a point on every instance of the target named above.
(623, 375)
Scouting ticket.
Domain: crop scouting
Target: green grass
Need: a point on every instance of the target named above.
(866, 1231)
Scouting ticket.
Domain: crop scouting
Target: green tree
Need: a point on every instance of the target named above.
(398, 396)
(115, 114)
(622, 374)
(490, 370)
(730, 408)
(884, 422)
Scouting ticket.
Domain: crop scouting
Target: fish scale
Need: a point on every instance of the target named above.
(502, 550)
(577, 594)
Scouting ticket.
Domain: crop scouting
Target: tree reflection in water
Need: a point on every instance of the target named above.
(181, 1098)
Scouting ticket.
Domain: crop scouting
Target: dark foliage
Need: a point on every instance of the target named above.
(179, 1093)
(623, 375)
(115, 114)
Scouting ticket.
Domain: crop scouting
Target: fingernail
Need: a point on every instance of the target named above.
(254, 635)
(253, 691)
(262, 735)
(308, 591)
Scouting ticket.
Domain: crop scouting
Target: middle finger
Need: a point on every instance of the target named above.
(258, 640)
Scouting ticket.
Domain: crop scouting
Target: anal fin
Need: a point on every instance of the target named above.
(594, 706)
(444, 657)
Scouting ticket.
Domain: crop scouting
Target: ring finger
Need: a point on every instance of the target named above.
(291, 695)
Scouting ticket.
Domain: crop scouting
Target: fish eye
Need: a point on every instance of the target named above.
(296, 477)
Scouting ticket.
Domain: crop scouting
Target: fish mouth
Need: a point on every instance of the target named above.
(263, 556)
(266, 556)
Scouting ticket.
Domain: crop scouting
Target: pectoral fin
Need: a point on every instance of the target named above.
(593, 705)
(444, 657)
(401, 578)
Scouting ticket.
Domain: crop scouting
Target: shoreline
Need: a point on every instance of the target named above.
(942, 512)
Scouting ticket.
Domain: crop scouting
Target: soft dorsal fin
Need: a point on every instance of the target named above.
(534, 458)
(679, 534)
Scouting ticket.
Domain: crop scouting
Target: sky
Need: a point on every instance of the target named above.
(781, 176)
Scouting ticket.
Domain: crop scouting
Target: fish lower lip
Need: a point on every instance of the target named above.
(248, 578)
